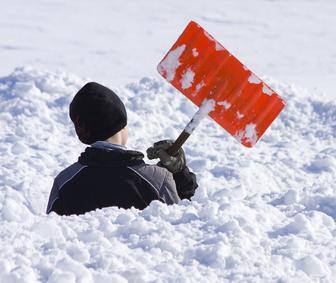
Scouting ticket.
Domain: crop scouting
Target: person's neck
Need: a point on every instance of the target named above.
(116, 139)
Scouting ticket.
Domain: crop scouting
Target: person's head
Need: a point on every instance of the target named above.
(98, 114)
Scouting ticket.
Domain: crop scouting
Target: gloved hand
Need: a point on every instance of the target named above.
(174, 163)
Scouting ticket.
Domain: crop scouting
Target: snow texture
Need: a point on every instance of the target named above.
(225, 104)
(206, 107)
(253, 79)
(117, 42)
(265, 214)
(187, 79)
(267, 90)
(219, 47)
(249, 133)
(209, 36)
(261, 215)
(170, 64)
(198, 88)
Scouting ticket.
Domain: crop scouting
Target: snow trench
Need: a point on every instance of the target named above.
(262, 214)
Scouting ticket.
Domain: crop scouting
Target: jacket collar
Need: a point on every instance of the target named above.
(101, 156)
(107, 145)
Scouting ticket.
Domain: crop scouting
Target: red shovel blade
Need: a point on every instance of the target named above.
(201, 68)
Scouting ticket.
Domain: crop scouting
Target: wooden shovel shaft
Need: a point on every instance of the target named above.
(188, 130)
(178, 143)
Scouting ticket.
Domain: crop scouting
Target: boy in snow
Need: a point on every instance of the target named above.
(107, 174)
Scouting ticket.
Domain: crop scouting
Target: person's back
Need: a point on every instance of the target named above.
(107, 174)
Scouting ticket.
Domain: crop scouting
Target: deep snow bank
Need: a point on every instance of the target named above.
(266, 213)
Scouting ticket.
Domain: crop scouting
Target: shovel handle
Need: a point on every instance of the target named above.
(178, 143)
(191, 126)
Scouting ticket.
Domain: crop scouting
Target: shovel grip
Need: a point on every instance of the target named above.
(178, 143)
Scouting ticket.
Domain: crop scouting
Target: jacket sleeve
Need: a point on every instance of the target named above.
(57, 207)
(55, 203)
(186, 183)
(168, 190)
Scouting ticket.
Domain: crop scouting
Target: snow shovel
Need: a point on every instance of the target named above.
(216, 81)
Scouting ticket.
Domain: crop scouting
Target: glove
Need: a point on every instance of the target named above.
(175, 163)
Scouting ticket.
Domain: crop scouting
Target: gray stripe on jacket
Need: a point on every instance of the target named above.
(159, 178)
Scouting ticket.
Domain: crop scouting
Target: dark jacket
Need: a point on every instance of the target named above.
(105, 177)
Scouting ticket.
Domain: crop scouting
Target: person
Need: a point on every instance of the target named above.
(107, 173)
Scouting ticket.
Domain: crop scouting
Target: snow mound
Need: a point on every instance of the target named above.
(261, 214)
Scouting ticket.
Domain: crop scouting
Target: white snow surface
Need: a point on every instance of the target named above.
(187, 78)
(248, 133)
(170, 64)
(267, 90)
(121, 41)
(263, 214)
(205, 108)
(251, 133)
(253, 79)
(225, 104)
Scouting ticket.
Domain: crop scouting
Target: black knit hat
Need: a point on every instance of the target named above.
(97, 113)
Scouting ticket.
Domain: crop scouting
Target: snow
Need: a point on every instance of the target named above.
(198, 87)
(249, 133)
(260, 215)
(265, 214)
(253, 79)
(219, 47)
(170, 64)
(206, 107)
(225, 104)
(239, 115)
(313, 266)
(208, 36)
(292, 41)
(187, 79)
(267, 90)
